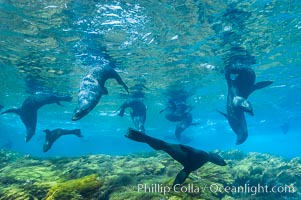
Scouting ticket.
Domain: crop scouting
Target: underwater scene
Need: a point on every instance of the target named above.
(155, 100)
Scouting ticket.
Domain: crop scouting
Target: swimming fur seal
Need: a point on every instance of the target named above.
(52, 136)
(29, 109)
(92, 88)
(1, 106)
(179, 112)
(176, 111)
(190, 158)
(239, 90)
(138, 113)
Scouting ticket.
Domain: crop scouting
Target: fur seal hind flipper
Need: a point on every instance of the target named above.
(13, 110)
(222, 113)
(262, 84)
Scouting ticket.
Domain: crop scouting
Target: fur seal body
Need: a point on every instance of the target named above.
(52, 136)
(138, 113)
(190, 158)
(239, 90)
(92, 88)
(29, 109)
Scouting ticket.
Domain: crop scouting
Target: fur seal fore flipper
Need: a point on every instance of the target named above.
(120, 81)
(243, 104)
(181, 177)
(122, 108)
(141, 137)
(121, 112)
(216, 159)
(262, 84)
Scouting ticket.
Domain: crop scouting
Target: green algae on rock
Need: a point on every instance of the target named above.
(117, 177)
(82, 188)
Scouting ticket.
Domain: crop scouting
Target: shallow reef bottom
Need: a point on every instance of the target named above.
(147, 176)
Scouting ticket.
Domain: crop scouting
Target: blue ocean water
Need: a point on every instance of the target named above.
(48, 46)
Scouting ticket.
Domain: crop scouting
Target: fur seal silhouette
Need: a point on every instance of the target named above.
(179, 112)
(138, 113)
(1, 106)
(190, 158)
(92, 88)
(176, 111)
(29, 109)
(239, 90)
(52, 136)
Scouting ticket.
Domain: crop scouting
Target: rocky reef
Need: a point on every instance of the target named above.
(147, 176)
